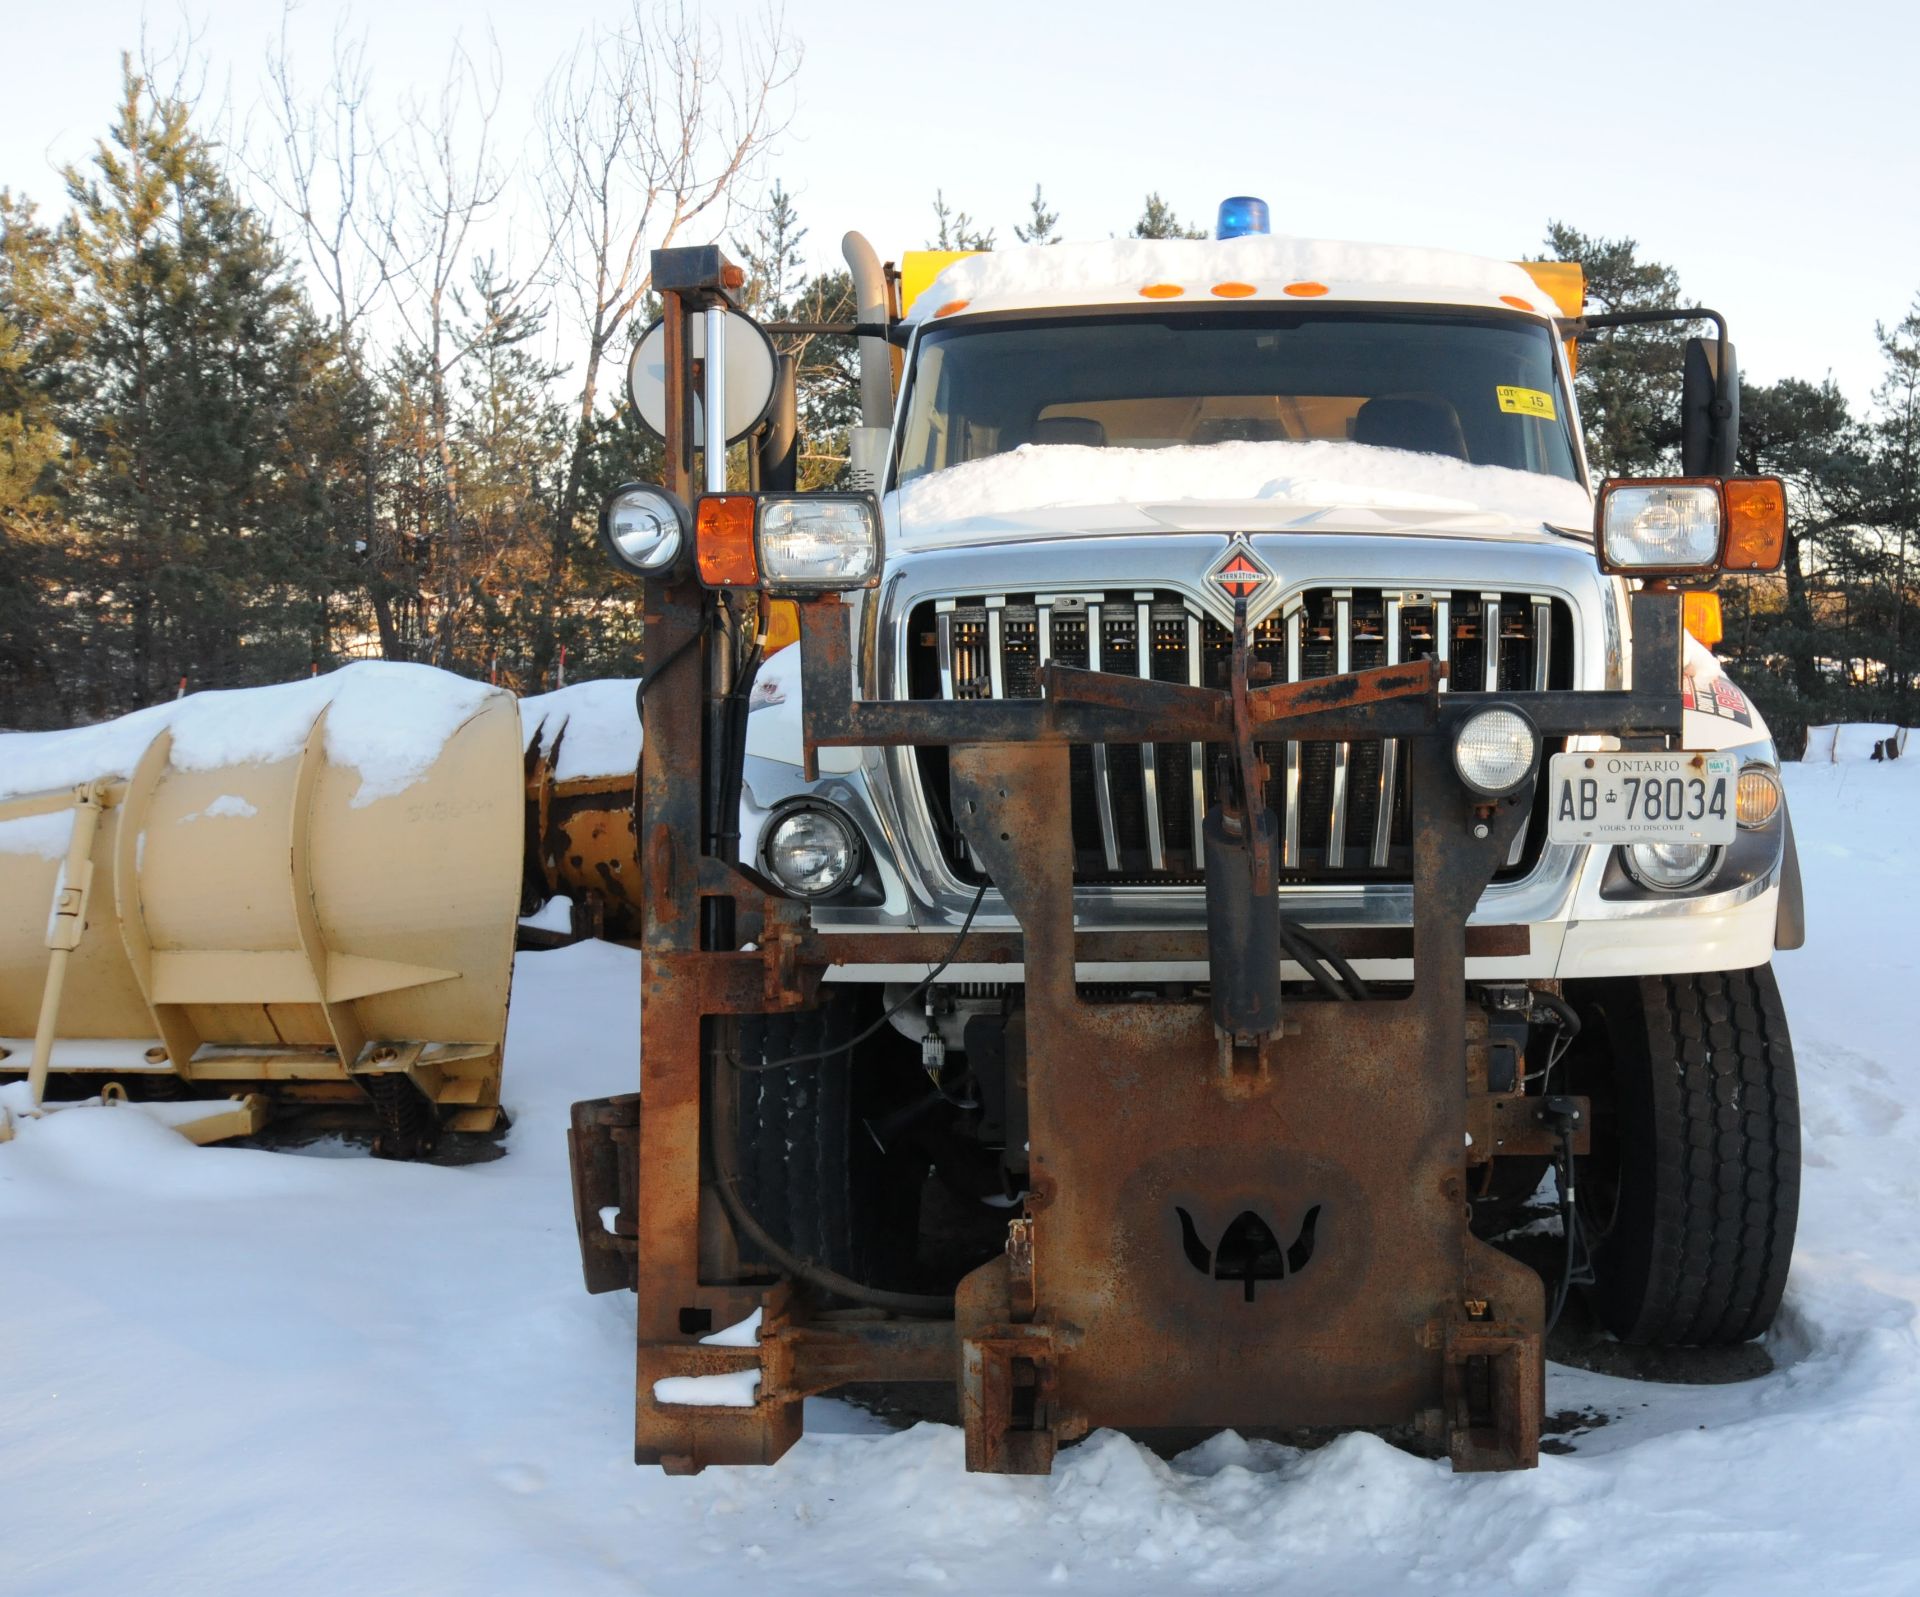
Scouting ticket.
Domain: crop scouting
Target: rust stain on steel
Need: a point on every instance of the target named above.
(1222, 1254)
(1007, 948)
(1354, 690)
(1191, 1253)
(583, 843)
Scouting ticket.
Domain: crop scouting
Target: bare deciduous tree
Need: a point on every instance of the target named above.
(324, 164)
(650, 134)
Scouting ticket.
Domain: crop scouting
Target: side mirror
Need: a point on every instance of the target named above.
(1709, 410)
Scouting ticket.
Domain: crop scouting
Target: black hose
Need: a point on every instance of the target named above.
(1569, 1229)
(1562, 1010)
(733, 777)
(1322, 977)
(726, 1179)
(1355, 987)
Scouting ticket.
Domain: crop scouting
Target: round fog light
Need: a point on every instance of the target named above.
(643, 526)
(1670, 867)
(1756, 796)
(1495, 751)
(812, 852)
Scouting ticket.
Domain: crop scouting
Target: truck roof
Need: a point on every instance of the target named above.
(1209, 271)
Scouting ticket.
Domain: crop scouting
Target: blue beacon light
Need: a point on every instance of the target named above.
(1241, 215)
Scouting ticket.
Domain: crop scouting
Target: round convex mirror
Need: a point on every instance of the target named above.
(752, 365)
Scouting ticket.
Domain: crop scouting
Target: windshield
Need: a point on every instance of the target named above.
(1485, 390)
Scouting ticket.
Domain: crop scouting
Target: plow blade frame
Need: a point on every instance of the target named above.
(1271, 1237)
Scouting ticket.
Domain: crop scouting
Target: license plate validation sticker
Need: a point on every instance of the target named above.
(1640, 798)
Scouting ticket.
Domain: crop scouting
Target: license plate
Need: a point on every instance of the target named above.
(1640, 798)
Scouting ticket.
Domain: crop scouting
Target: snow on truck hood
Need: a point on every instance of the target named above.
(1116, 271)
(1047, 489)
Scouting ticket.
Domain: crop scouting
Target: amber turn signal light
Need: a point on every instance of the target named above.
(723, 541)
(1700, 613)
(1756, 537)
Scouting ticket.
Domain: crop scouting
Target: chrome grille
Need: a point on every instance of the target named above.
(1136, 807)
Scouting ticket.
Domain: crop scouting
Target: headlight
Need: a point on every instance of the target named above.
(820, 542)
(1495, 751)
(812, 852)
(1660, 527)
(1670, 867)
(1756, 796)
(644, 526)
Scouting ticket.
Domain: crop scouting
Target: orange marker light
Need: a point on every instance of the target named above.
(1234, 290)
(1305, 290)
(783, 625)
(1516, 302)
(1700, 614)
(723, 540)
(1756, 524)
(1163, 291)
(950, 307)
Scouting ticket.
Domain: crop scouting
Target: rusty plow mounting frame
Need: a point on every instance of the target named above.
(1151, 1128)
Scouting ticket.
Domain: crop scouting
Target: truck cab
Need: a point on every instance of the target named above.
(1098, 449)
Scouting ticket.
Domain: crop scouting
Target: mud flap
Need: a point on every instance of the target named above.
(603, 1151)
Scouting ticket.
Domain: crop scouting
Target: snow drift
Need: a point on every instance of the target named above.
(204, 1344)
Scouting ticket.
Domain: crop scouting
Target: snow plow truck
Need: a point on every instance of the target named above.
(1244, 805)
(1217, 816)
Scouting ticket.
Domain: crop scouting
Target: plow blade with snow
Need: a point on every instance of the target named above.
(332, 924)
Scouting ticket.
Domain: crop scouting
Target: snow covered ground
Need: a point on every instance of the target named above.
(227, 1370)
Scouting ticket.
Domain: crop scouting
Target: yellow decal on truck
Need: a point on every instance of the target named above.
(1526, 402)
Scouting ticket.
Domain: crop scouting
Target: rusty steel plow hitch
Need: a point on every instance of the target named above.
(1233, 1216)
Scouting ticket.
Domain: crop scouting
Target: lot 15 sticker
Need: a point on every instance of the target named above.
(1526, 402)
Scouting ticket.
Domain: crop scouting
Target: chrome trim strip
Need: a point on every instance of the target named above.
(1197, 752)
(1149, 755)
(996, 672)
(1490, 641)
(1290, 848)
(1542, 663)
(1102, 779)
(1389, 750)
(1443, 633)
(1342, 752)
(943, 632)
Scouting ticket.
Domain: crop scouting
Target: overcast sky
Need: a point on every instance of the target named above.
(1769, 152)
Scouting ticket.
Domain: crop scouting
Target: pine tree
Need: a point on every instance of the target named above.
(956, 230)
(1894, 491)
(36, 626)
(772, 256)
(1629, 378)
(201, 516)
(1158, 221)
(1785, 634)
(1041, 226)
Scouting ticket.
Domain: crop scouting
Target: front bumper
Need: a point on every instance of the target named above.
(1579, 918)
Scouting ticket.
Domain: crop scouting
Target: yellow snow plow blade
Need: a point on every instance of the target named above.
(309, 925)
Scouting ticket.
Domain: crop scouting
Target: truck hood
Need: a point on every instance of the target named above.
(1053, 490)
(907, 534)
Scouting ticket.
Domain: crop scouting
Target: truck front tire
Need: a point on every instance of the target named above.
(811, 1167)
(1689, 1197)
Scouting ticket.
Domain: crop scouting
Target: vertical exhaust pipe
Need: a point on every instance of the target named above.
(876, 359)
